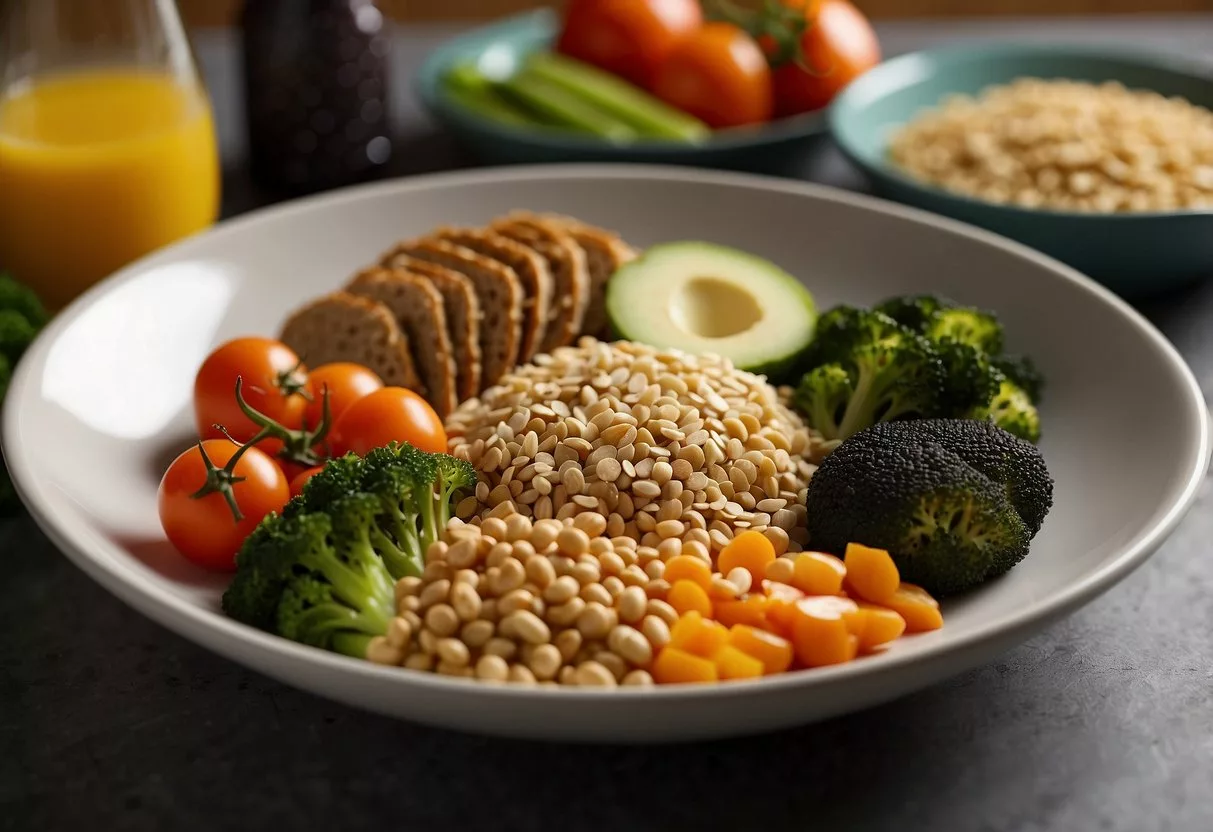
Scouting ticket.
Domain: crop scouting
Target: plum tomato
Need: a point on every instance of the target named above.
(390, 414)
(208, 505)
(274, 379)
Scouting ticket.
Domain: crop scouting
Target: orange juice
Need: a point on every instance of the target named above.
(98, 168)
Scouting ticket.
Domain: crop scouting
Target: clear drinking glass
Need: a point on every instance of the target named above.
(107, 144)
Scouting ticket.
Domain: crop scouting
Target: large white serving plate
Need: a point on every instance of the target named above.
(101, 403)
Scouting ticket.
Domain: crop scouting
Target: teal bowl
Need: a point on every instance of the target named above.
(1134, 254)
(504, 44)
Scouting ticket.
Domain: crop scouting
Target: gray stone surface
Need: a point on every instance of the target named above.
(1104, 722)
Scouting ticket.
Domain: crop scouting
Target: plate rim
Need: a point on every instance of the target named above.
(234, 640)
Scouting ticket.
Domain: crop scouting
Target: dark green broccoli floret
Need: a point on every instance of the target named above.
(892, 373)
(1000, 456)
(16, 333)
(21, 298)
(339, 477)
(1012, 410)
(913, 311)
(970, 378)
(1023, 372)
(955, 502)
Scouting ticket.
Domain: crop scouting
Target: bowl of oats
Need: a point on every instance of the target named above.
(1099, 156)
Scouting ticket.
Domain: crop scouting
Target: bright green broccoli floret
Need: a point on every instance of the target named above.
(309, 578)
(974, 327)
(943, 496)
(892, 373)
(1012, 410)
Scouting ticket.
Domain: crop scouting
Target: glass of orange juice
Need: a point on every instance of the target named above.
(107, 144)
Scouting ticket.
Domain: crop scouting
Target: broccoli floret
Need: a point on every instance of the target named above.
(955, 502)
(913, 311)
(974, 327)
(1023, 372)
(822, 396)
(970, 378)
(16, 333)
(413, 492)
(20, 298)
(892, 373)
(314, 581)
(1011, 409)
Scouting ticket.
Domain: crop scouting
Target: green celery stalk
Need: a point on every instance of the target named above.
(473, 91)
(560, 105)
(647, 114)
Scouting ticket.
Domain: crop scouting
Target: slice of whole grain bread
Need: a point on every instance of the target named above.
(346, 327)
(532, 271)
(570, 274)
(418, 308)
(500, 294)
(605, 251)
(462, 309)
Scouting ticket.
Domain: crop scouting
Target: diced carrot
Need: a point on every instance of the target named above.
(775, 652)
(750, 610)
(751, 551)
(731, 663)
(816, 573)
(781, 600)
(871, 573)
(820, 633)
(917, 607)
(690, 568)
(685, 595)
(674, 666)
(698, 635)
(880, 626)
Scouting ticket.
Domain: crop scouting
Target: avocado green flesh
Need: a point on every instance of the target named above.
(705, 298)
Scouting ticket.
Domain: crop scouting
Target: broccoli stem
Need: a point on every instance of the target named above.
(351, 644)
(399, 563)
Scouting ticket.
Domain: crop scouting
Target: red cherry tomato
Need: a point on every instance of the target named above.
(346, 383)
(718, 73)
(390, 414)
(204, 529)
(300, 479)
(275, 383)
(838, 46)
(629, 38)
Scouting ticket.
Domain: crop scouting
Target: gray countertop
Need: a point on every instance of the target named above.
(1103, 722)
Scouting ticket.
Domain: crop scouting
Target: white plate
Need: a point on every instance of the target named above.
(101, 403)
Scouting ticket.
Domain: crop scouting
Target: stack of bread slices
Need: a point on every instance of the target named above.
(449, 313)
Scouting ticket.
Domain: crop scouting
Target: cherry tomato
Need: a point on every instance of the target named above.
(275, 384)
(300, 479)
(204, 529)
(718, 73)
(390, 414)
(346, 383)
(839, 45)
(629, 38)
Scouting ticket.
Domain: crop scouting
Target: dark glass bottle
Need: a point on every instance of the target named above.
(316, 92)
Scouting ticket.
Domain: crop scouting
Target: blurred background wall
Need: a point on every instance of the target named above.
(219, 12)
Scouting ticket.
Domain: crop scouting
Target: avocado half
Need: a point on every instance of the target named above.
(706, 298)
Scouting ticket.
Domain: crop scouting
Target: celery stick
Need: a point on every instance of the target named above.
(465, 85)
(565, 107)
(648, 115)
